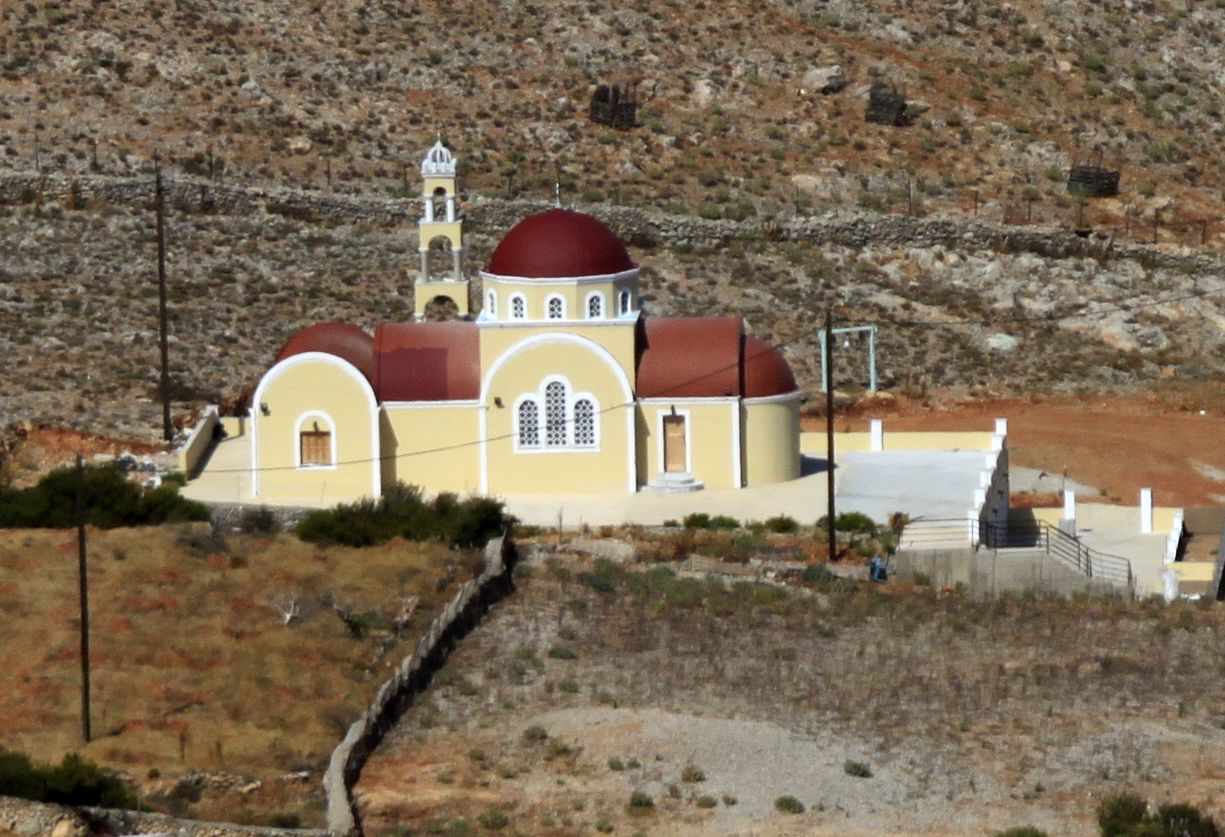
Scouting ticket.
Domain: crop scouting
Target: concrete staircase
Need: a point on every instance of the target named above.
(673, 482)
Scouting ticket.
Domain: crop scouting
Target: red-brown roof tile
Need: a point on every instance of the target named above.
(427, 361)
(689, 357)
(340, 339)
(766, 371)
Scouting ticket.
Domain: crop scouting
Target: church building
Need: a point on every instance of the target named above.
(561, 384)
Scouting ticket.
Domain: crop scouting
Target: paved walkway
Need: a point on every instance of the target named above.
(920, 483)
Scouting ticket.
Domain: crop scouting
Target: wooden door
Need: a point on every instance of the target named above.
(674, 444)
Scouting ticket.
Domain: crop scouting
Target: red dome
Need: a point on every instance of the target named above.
(559, 244)
(345, 341)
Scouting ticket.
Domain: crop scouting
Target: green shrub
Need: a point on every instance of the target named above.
(641, 801)
(259, 521)
(789, 805)
(1118, 815)
(854, 522)
(403, 512)
(110, 502)
(561, 652)
(693, 773)
(783, 524)
(1022, 831)
(706, 801)
(493, 820)
(858, 769)
(701, 520)
(72, 782)
(535, 733)
(1182, 820)
(615, 763)
(818, 574)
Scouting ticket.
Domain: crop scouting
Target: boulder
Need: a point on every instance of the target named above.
(826, 80)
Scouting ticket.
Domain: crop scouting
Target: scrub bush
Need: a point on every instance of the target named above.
(72, 782)
(110, 502)
(403, 512)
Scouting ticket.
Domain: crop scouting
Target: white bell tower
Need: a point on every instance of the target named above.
(442, 223)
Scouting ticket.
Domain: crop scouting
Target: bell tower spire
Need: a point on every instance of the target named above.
(440, 228)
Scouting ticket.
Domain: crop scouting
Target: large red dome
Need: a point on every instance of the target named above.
(559, 243)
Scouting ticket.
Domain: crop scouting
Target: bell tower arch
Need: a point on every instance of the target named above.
(440, 234)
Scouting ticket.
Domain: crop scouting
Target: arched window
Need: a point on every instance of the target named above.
(491, 305)
(316, 443)
(529, 423)
(584, 423)
(556, 308)
(555, 414)
(595, 306)
(624, 299)
(555, 418)
(518, 307)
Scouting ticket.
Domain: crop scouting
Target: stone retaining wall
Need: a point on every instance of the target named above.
(410, 679)
(39, 819)
(640, 226)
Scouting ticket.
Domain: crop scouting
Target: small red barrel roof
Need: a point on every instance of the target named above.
(345, 341)
(766, 371)
(559, 243)
(427, 361)
(689, 356)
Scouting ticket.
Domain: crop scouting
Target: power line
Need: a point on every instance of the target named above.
(1045, 318)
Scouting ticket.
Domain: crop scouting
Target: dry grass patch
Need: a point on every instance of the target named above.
(209, 653)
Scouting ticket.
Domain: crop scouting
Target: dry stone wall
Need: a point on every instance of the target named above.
(411, 678)
(642, 226)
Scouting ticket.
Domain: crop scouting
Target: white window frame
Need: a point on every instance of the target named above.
(548, 306)
(522, 313)
(571, 398)
(519, 446)
(321, 417)
(491, 304)
(625, 302)
(594, 296)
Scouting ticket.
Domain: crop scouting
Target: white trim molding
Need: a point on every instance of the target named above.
(794, 395)
(660, 415)
(297, 435)
(632, 273)
(351, 371)
(591, 297)
(737, 445)
(561, 338)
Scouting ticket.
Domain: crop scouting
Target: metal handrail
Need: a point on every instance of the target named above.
(1092, 563)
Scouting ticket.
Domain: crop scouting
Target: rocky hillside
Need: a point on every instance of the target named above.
(751, 113)
(733, 121)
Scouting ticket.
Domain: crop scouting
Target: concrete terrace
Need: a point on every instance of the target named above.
(927, 483)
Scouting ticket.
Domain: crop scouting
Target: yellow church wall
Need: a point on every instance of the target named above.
(536, 294)
(589, 370)
(771, 440)
(448, 229)
(616, 339)
(432, 447)
(710, 424)
(429, 184)
(426, 292)
(298, 393)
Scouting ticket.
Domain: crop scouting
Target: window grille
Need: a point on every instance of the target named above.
(529, 424)
(584, 423)
(556, 311)
(518, 309)
(555, 415)
(595, 307)
(625, 302)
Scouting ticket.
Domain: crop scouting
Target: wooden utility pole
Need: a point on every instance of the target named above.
(829, 429)
(82, 574)
(1156, 223)
(163, 326)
